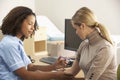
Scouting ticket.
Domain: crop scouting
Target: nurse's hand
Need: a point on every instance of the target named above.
(60, 64)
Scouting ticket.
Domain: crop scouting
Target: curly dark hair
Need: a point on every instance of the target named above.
(12, 22)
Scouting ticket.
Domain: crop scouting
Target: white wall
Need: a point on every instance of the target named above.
(107, 11)
(7, 5)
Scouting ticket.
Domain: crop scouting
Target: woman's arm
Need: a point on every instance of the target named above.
(60, 63)
(74, 69)
(38, 75)
(32, 67)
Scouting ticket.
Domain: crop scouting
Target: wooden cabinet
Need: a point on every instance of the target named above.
(37, 44)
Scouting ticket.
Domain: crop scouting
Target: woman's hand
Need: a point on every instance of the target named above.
(60, 64)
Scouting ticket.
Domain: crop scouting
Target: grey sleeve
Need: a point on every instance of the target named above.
(100, 63)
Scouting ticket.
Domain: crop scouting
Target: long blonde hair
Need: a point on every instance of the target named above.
(85, 15)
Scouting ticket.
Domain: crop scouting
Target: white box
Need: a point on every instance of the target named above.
(56, 48)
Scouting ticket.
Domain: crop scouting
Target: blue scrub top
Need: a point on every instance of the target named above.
(12, 57)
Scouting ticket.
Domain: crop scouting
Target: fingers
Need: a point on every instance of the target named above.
(63, 59)
(61, 63)
(59, 58)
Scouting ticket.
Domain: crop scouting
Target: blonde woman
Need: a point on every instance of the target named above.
(96, 55)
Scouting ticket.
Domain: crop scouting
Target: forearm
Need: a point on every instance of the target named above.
(74, 69)
(70, 71)
(39, 75)
(41, 68)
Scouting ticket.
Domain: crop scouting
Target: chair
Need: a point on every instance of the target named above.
(118, 73)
